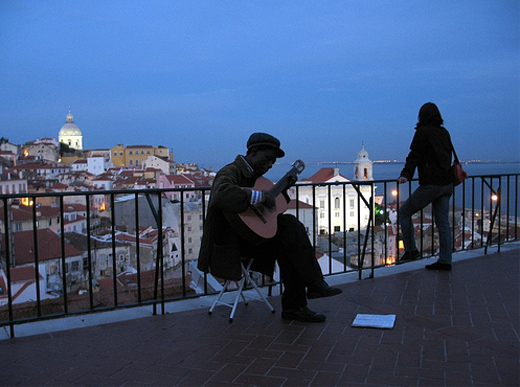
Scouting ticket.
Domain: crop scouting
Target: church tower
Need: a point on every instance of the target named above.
(70, 134)
(363, 165)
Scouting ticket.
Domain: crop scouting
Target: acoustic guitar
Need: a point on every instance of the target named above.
(259, 222)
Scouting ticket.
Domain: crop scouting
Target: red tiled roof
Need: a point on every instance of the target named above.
(179, 180)
(323, 175)
(49, 246)
(23, 274)
(59, 186)
(74, 207)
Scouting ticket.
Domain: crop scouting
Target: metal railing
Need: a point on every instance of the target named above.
(70, 253)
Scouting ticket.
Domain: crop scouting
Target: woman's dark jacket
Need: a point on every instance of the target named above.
(221, 248)
(430, 153)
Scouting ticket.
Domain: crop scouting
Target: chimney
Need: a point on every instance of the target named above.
(336, 171)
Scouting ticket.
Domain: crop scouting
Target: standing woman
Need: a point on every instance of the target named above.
(430, 153)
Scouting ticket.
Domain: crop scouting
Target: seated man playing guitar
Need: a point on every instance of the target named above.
(239, 193)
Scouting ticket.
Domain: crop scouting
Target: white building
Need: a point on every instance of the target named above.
(98, 165)
(157, 162)
(340, 202)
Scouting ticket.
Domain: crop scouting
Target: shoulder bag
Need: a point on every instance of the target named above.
(458, 175)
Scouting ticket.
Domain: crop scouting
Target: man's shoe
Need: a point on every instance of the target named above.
(439, 266)
(322, 289)
(303, 314)
(410, 255)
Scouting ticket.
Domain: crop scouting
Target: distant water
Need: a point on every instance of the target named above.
(391, 171)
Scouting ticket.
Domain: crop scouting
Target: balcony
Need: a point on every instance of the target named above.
(457, 328)
(453, 329)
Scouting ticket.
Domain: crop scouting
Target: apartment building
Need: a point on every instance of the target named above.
(136, 155)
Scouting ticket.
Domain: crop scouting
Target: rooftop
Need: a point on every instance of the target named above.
(458, 328)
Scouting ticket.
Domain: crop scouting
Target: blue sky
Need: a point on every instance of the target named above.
(323, 76)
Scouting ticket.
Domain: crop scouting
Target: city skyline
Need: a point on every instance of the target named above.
(199, 77)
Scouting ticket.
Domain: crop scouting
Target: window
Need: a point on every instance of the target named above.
(337, 203)
(351, 204)
(130, 153)
(322, 204)
(336, 214)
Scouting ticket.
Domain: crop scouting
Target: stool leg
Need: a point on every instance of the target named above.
(251, 282)
(239, 294)
(217, 300)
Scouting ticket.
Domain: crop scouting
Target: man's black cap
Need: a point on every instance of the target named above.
(265, 140)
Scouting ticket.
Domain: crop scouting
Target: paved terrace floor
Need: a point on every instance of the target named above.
(458, 328)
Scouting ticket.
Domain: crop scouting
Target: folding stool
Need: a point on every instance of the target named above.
(244, 281)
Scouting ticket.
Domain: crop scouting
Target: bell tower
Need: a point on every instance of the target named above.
(363, 165)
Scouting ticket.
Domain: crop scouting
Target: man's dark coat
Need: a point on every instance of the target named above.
(221, 247)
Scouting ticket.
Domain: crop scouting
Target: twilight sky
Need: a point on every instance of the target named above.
(323, 76)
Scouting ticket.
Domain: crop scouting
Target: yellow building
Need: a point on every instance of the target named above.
(135, 155)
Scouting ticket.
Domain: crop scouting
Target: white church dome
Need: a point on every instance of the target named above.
(70, 128)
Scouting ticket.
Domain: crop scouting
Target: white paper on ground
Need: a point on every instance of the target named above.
(384, 321)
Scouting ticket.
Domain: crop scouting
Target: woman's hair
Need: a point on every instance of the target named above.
(429, 114)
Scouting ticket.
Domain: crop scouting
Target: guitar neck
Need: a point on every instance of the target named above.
(283, 183)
